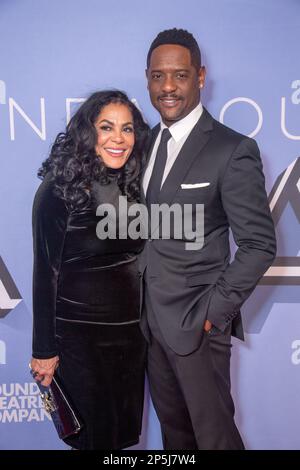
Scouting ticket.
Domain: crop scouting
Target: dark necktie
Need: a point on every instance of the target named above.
(158, 168)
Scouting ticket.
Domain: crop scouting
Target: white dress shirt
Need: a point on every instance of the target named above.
(180, 131)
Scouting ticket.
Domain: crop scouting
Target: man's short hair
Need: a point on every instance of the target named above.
(181, 37)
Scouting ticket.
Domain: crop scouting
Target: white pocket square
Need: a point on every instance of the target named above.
(194, 186)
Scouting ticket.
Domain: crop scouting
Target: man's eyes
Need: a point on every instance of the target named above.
(181, 75)
(156, 76)
(178, 75)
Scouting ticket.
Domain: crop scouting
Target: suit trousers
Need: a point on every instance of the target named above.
(191, 394)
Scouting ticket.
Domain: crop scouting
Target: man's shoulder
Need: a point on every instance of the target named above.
(208, 122)
(227, 133)
(226, 140)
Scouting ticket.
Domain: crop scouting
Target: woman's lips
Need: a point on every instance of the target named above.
(115, 152)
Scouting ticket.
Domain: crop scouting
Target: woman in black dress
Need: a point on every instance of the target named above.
(86, 288)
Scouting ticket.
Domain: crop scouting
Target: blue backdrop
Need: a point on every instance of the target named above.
(54, 53)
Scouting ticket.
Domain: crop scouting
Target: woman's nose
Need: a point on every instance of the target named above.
(117, 136)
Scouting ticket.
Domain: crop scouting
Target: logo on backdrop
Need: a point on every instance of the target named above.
(295, 357)
(286, 190)
(2, 352)
(10, 297)
(16, 109)
(2, 92)
(21, 402)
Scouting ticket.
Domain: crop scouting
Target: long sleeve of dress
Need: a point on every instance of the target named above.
(49, 221)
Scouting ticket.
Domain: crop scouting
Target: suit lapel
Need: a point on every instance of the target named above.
(155, 132)
(191, 149)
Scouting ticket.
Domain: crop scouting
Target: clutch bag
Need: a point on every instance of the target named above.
(58, 405)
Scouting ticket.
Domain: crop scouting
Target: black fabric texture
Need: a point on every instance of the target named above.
(86, 310)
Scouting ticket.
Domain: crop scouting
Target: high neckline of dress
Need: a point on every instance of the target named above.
(113, 172)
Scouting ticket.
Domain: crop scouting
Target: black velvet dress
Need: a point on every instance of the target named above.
(86, 310)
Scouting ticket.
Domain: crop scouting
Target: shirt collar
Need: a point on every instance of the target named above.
(185, 125)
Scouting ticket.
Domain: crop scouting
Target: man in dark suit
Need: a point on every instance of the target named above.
(192, 297)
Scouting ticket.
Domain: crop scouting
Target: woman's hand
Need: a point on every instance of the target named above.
(43, 369)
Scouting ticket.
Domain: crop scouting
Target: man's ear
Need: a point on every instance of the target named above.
(201, 76)
(146, 73)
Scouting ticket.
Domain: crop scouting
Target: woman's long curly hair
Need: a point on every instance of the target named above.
(73, 163)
